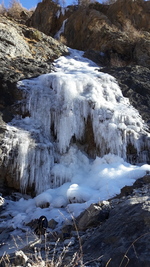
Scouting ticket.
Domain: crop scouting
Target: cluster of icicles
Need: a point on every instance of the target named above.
(59, 105)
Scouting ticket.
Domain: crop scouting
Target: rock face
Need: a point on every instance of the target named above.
(45, 17)
(136, 11)
(123, 237)
(112, 31)
(49, 16)
(120, 30)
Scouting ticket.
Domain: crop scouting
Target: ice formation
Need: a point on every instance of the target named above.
(57, 35)
(44, 145)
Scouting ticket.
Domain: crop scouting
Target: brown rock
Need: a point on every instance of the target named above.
(137, 12)
(120, 30)
(93, 216)
(49, 16)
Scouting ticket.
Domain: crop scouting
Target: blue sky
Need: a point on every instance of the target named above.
(28, 3)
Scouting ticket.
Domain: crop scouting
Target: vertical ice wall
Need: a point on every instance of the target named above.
(29, 159)
(59, 105)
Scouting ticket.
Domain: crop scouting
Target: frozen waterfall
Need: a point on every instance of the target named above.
(46, 143)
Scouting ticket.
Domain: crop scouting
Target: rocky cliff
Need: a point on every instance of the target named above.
(120, 30)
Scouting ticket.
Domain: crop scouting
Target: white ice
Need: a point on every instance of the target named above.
(57, 35)
(59, 105)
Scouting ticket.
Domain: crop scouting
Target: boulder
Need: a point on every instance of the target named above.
(93, 216)
(66, 231)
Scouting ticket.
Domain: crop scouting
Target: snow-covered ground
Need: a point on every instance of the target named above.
(59, 104)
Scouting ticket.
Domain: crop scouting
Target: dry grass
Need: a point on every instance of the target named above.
(131, 31)
(115, 61)
(37, 258)
(56, 258)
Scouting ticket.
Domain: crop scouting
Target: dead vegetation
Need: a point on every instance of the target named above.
(15, 10)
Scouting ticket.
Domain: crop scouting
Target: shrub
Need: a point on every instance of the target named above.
(131, 31)
(15, 9)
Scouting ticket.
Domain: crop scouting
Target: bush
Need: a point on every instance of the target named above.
(15, 9)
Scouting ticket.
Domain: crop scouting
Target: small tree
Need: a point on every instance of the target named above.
(15, 8)
(2, 8)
